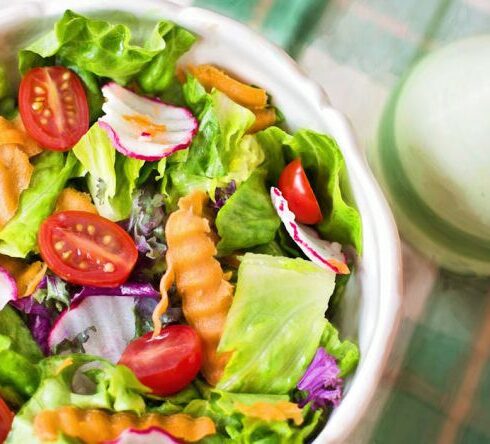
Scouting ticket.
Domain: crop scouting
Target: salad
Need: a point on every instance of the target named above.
(171, 258)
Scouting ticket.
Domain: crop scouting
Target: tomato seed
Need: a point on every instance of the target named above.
(109, 267)
(38, 90)
(66, 75)
(91, 230)
(83, 265)
(59, 245)
(66, 254)
(106, 240)
(79, 227)
(36, 106)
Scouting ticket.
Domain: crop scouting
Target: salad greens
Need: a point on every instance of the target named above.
(278, 343)
(270, 356)
(51, 172)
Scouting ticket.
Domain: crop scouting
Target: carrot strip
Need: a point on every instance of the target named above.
(206, 293)
(279, 411)
(263, 119)
(13, 132)
(94, 426)
(73, 200)
(27, 276)
(211, 77)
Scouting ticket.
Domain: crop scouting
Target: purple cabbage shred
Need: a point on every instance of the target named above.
(321, 382)
(221, 195)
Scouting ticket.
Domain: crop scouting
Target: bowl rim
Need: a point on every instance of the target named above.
(354, 405)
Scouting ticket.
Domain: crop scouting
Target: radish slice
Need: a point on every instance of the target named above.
(153, 435)
(326, 254)
(114, 321)
(145, 128)
(8, 288)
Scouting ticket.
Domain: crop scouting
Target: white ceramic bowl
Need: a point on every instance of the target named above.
(370, 309)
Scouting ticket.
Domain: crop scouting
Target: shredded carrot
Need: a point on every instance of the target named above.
(94, 426)
(211, 77)
(15, 175)
(206, 293)
(263, 119)
(278, 411)
(73, 200)
(27, 276)
(13, 132)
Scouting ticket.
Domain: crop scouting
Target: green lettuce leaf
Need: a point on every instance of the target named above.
(96, 46)
(345, 352)
(51, 172)
(248, 218)
(7, 100)
(19, 353)
(98, 384)
(112, 177)
(218, 153)
(323, 160)
(275, 299)
(233, 426)
(159, 74)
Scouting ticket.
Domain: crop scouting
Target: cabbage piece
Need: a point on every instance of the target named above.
(275, 323)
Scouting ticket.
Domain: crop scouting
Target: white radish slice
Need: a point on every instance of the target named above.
(145, 128)
(8, 288)
(326, 254)
(114, 321)
(153, 435)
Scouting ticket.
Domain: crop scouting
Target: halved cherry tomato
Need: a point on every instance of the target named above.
(166, 363)
(6, 418)
(53, 106)
(87, 249)
(296, 189)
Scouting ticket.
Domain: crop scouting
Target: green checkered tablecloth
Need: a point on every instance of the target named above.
(437, 386)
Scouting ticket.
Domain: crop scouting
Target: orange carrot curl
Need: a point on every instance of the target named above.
(200, 281)
(95, 426)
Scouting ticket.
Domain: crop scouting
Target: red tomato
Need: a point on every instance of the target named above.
(87, 249)
(6, 418)
(53, 107)
(166, 363)
(296, 189)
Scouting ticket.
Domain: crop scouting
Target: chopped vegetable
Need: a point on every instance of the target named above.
(86, 249)
(145, 128)
(108, 314)
(6, 418)
(211, 77)
(321, 382)
(8, 288)
(268, 411)
(152, 435)
(296, 189)
(13, 132)
(206, 294)
(130, 289)
(275, 298)
(78, 423)
(326, 254)
(15, 175)
(73, 200)
(53, 106)
(264, 118)
(166, 363)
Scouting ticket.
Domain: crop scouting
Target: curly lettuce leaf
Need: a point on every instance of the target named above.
(19, 353)
(345, 352)
(323, 160)
(112, 177)
(248, 218)
(265, 329)
(51, 172)
(96, 46)
(234, 426)
(87, 382)
(159, 74)
(219, 153)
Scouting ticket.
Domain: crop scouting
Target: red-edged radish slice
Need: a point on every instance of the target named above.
(114, 321)
(145, 128)
(153, 435)
(326, 254)
(8, 288)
